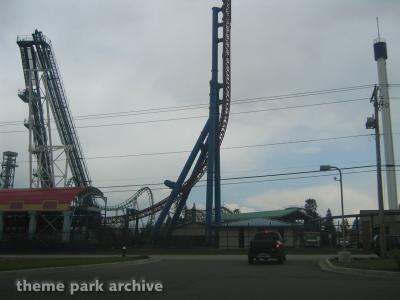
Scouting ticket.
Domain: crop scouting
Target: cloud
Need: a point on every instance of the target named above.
(327, 196)
(243, 209)
(308, 150)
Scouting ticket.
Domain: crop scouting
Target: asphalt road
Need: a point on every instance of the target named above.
(212, 277)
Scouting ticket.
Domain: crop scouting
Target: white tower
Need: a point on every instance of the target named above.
(380, 52)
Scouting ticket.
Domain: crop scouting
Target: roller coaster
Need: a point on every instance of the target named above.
(44, 91)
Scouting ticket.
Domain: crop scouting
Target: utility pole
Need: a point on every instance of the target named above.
(373, 123)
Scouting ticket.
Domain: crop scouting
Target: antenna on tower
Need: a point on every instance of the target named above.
(377, 26)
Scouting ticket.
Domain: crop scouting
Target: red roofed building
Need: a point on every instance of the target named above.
(39, 214)
(54, 199)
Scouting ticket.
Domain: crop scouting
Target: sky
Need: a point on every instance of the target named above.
(119, 56)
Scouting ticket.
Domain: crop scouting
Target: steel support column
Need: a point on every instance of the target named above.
(182, 202)
(217, 176)
(178, 185)
(217, 185)
(66, 234)
(214, 88)
(137, 226)
(1, 225)
(32, 225)
(214, 131)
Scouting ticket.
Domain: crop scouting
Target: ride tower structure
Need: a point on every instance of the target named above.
(59, 159)
(8, 169)
(380, 55)
(36, 123)
(44, 93)
(205, 155)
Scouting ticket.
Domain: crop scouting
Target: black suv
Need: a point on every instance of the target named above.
(265, 245)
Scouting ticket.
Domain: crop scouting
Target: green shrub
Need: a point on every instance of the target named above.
(395, 254)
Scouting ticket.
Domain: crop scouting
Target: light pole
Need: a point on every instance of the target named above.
(330, 168)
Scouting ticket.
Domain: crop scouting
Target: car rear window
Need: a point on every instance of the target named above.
(267, 235)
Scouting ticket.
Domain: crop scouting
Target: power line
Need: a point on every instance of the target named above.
(234, 102)
(293, 173)
(329, 173)
(313, 93)
(299, 141)
(255, 176)
(299, 106)
(162, 177)
(204, 105)
(234, 147)
(258, 181)
(229, 148)
(205, 116)
(231, 113)
(292, 178)
(195, 106)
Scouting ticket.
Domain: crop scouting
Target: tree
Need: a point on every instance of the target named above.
(355, 228)
(236, 211)
(311, 208)
(329, 233)
(346, 226)
(328, 224)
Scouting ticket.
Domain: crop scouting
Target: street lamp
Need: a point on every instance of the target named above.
(330, 168)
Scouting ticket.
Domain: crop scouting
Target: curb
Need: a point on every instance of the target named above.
(71, 268)
(327, 266)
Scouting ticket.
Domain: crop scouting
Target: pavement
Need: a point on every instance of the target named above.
(210, 277)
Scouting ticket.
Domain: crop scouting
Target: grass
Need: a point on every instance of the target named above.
(33, 263)
(376, 264)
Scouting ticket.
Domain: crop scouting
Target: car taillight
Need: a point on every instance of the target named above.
(278, 244)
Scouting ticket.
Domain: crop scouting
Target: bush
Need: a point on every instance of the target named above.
(395, 254)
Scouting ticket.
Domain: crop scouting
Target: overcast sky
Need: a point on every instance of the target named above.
(119, 56)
